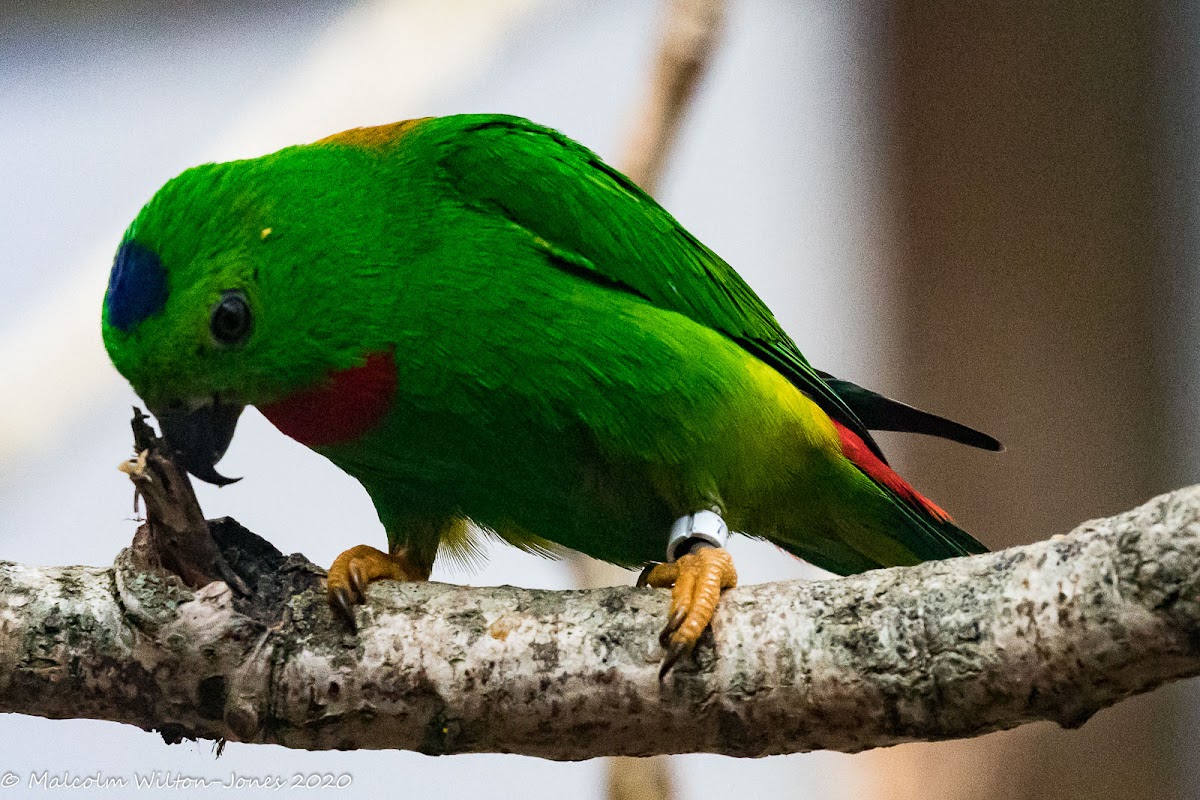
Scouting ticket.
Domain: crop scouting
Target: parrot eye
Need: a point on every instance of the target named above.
(230, 320)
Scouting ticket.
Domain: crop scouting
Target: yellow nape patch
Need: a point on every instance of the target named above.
(376, 137)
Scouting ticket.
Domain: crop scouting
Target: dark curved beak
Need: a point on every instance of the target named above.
(199, 437)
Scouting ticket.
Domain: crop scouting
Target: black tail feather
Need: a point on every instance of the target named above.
(879, 413)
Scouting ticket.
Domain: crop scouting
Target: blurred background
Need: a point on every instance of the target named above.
(991, 212)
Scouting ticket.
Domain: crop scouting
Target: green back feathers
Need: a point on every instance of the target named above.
(605, 228)
(598, 224)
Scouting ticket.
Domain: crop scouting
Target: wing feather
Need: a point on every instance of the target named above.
(595, 220)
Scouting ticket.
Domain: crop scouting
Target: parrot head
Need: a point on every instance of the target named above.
(230, 288)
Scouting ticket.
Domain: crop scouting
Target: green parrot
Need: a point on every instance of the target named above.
(484, 323)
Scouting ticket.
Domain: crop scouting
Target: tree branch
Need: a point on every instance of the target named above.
(1054, 630)
(689, 36)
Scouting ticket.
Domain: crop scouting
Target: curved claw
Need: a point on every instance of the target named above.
(358, 582)
(354, 570)
(340, 600)
(644, 578)
(675, 651)
(696, 580)
(673, 622)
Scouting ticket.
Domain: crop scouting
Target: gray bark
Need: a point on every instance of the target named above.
(1054, 630)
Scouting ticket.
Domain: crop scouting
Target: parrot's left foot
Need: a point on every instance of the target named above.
(358, 567)
(696, 581)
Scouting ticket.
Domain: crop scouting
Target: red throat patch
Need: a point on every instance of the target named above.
(855, 449)
(347, 404)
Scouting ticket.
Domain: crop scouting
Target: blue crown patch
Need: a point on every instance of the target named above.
(137, 286)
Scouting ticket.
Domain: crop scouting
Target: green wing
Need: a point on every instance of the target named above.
(598, 224)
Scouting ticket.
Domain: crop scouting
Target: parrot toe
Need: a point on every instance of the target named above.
(696, 581)
(355, 569)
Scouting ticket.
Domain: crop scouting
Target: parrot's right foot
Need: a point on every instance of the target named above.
(696, 581)
(357, 568)
(698, 569)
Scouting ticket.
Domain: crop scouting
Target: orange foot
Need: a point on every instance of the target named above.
(696, 582)
(358, 567)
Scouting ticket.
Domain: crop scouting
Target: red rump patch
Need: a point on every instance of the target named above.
(861, 456)
(347, 404)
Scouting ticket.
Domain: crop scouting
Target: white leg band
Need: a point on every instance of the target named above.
(707, 526)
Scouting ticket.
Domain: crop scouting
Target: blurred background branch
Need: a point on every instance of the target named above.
(691, 30)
